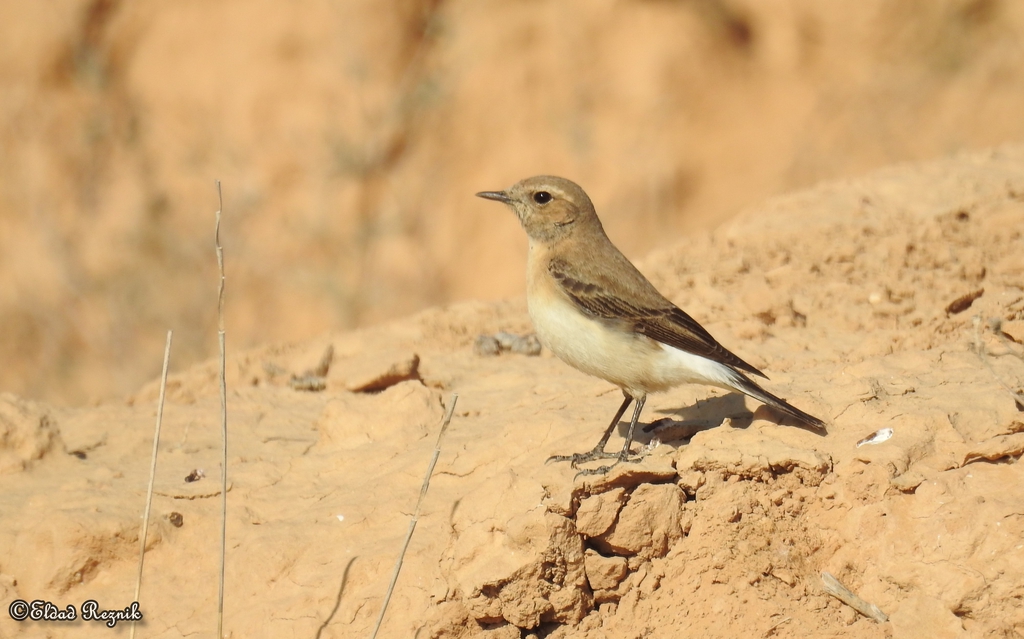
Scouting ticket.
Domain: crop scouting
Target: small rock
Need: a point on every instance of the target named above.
(308, 383)
(506, 340)
(648, 525)
(527, 345)
(597, 513)
(784, 576)
(502, 342)
(730, 513)
(907, 482)
(848, 616)
(486, 346)
(690, 481)
(604, 573)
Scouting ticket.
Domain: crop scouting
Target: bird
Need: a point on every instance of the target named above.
(596, 312)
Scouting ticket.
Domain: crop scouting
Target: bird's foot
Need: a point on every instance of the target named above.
(581, 458)
(576, 459)
(619, 459)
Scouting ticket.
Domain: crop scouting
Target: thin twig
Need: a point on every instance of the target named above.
(223, 418)
(152, 474)
(416, 513)
(772, 630)
(845, 595)
(337, 600)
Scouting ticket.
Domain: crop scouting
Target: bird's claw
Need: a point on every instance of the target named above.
(581, 458)
(603, 470)
(576, 459)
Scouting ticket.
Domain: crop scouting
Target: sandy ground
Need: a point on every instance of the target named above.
(350, 136)
(842, 294)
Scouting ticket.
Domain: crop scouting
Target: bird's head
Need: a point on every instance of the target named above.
(549, 208)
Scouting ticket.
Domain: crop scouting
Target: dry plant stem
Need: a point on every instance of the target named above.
(416, 513)
(772, 630)
(223, 418)
(152, 473)
(337, 600)
(843, 594)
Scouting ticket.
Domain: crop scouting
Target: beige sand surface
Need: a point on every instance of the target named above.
(838, 293)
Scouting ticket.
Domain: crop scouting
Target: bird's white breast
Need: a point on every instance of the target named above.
(612, 351)
(609, 349)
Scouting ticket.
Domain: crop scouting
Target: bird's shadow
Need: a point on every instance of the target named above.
(705, 414)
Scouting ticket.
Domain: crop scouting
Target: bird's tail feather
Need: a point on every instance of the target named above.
(745, 385)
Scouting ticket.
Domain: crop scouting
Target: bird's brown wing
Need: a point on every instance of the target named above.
(647, 313)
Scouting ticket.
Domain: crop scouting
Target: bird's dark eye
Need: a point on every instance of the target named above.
(541, 197)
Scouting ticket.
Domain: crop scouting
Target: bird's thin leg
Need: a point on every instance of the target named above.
(598, 451)
(623, 456)
(632, 427)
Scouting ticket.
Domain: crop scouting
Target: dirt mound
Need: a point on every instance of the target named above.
(890, 305)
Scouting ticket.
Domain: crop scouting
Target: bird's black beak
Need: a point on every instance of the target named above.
(499, 196)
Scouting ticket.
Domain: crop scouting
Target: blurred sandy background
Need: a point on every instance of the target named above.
(350, 137)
